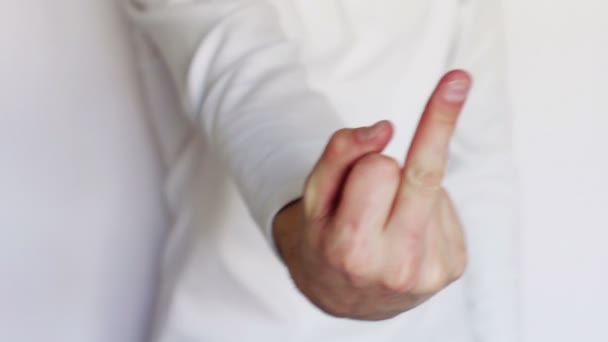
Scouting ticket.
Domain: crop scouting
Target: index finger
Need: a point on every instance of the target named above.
(427, 156)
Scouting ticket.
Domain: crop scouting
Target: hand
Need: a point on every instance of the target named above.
(370, 240)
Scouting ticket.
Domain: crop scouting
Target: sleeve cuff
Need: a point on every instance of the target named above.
(287, 184)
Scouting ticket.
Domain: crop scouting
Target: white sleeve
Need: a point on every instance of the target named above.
(481, 178)
(242, 84)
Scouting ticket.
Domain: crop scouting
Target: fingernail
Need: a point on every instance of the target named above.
(456, 90)
(365, 134)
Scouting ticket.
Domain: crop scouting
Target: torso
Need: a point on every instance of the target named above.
(222, 281)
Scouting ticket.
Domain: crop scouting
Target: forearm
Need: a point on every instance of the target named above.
(242, 84)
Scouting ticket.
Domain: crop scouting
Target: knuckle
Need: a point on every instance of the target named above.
(458, 272)
(425, 178)
(310, 183)
(367, 163)
(402, 281)
(406, 276)
(338, 142)
(339, 246)
(351, 255)
(309, 198)
(333, 257)
(378, 161)
(378, 167)
(460, 263)
(357, 262)
(445, 117)
(437, 278)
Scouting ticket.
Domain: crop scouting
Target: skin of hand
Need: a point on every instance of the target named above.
(370, 239)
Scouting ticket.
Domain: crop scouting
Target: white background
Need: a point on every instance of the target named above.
(80, 213)
(67, 289)
(559, 83)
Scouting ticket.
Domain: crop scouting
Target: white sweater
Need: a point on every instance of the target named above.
(263, 84)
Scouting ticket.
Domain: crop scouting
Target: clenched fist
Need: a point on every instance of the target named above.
(370, 240)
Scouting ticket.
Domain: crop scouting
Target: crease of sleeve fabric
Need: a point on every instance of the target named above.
(241, 82)
(482, 178)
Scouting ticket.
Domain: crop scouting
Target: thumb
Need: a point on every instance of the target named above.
(345, 147)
